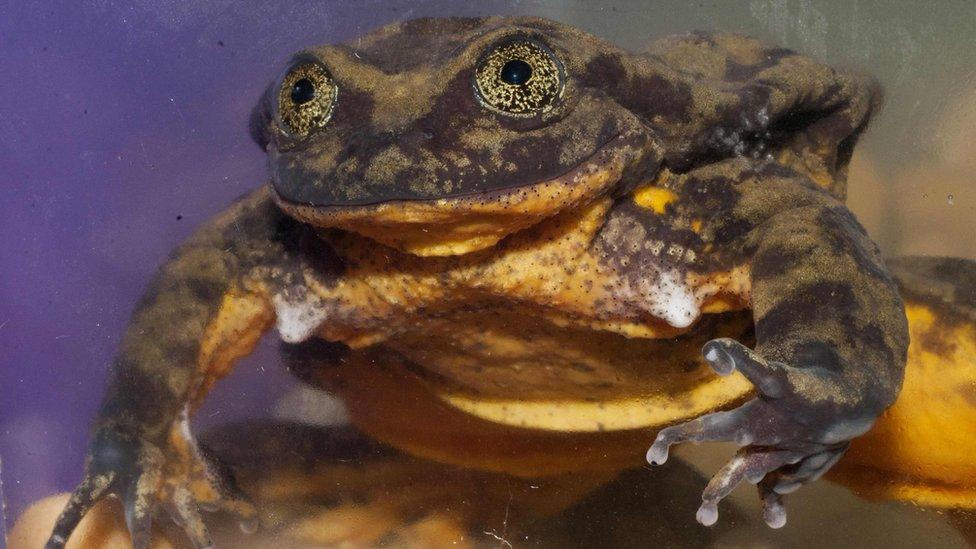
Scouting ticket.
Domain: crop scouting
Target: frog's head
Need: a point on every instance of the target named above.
(442, 136)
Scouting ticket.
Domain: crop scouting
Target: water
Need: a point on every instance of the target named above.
(123, 126)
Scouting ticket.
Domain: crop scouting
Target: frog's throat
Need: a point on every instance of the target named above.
(460, 225)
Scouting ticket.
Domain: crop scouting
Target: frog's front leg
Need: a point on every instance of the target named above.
(831, 343)
(206, 307)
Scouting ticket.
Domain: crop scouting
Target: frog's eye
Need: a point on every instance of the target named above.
(306, 98)
(519, 78)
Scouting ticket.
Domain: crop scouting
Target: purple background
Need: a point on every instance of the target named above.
(123, 126)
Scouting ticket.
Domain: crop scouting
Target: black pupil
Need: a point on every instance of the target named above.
(302, 91)
(516, 72)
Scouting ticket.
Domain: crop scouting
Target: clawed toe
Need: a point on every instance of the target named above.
(727, 355)
(750, 465)
(186, 514)
(91, 489)
(774, 512)
(732, 425)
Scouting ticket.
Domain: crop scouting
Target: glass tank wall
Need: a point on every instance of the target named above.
(123, 126)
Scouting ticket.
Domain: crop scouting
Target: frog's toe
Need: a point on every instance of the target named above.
(732, 425)
(138, 499)
(791, 477)
(85, 496)
(220, 492)
(726, 355)
(774, 512)
(748, 464)
(183, 509)
(210, 486)
(809, 469)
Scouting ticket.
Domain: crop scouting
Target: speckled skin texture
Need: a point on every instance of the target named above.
(705, 175)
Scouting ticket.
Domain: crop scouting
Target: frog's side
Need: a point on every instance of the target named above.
(420, 182)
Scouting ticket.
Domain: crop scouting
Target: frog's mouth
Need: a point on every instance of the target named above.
(464, 224)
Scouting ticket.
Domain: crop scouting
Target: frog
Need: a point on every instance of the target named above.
(519, 211)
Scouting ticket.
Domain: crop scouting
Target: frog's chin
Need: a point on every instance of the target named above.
(465, 224)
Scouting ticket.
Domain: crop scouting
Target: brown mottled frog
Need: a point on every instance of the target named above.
(515, 210)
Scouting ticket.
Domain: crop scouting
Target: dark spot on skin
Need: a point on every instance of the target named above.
(776, 260)
(807, 305)
(839, 227)
(871, 338)
(710, 196)
(205, 290)
(179, 217)
(115, 451)
(603, 69)
(396, 47)
(651, 96)
(220, 43)
(731, 230)
(129, 387)
(817, 354)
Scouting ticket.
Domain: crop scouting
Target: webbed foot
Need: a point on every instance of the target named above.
(179, 480)
(791, 433)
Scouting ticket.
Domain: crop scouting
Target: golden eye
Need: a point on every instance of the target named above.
(519, 78)
(306, 98)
